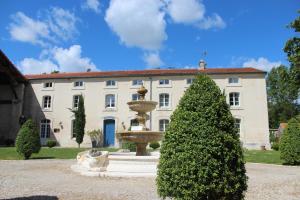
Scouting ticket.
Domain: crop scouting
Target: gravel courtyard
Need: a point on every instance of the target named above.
(53, 179)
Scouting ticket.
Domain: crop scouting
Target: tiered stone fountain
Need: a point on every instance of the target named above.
(140, 134)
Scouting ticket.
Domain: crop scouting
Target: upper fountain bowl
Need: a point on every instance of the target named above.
(142, 106)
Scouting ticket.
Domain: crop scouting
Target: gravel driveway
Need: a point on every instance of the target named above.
(53, 179)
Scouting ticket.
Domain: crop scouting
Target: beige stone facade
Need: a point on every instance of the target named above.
(245, 90)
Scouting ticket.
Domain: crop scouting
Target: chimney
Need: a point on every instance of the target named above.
(202, 65)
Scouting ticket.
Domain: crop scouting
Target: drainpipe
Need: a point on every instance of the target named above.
(150, 78)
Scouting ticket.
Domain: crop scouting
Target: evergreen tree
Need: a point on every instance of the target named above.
(79, 123)
(201, 154)
(290, 143)
(28, 140)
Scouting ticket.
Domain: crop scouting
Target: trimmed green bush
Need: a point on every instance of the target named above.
(51, 143)
(129, 145)
(80, 120)
(290, 143)
(28, 140)
(154, 145)
(201, 155)
(275, 146)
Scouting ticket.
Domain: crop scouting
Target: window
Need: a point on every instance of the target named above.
(163, 124)
(135, 97)
(48, 85)
(134, 122)
(110, 83)
(110, 101)
(164, 82)
(46, 102)
(73, 134)
(164, 100)
(75, 101)
(233, 80)
(189, 81)
(237, 124)
(45, 128)
(234, 99)
(137, 82)
(78, 84)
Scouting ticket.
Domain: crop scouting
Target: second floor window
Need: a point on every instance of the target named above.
(163, 124)
(48, 85)
(164, 82)
(233, 80)
(110, 101)
(110, 83)
(137, 82)
(75, 101)
(135, 97)
(164, 100)
(234, 99)
(46, 102)
(189, 81)
(78, 84)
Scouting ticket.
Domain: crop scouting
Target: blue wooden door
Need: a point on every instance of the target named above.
(109, 132)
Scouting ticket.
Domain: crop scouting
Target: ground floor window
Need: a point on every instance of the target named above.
(45, 128)
(73, 134)
(163, 124)
(237, 124)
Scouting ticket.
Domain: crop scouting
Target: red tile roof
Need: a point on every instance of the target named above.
(149, 72)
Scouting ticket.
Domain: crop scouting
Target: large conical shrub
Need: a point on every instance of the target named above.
(201, 155)
(80, 121)
(28, 140)
(290, 143)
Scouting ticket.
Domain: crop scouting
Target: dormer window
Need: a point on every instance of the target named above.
(233, 80)
(164, 82)
(137, 82)
(48, 85)
(78, 84)
(110, 83)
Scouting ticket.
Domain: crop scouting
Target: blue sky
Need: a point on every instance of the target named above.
(42, 36)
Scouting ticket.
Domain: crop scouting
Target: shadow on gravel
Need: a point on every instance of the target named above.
(42, 157)
(42, 197)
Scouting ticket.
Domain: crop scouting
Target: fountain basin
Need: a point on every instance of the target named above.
(142, 106)
(141, 136)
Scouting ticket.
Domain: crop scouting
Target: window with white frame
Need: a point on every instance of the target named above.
(234, 99)
(78, 84)
(164, 100)
(137, 82)
(164, 82)
(45, 128)
(135, 97)
(110, 83)
(237, 124)
(163, 124)
(48, 85)
(189, 81)
(233, 80)
(110, 101)
(46, 102)
(73, 132)
(75, 101)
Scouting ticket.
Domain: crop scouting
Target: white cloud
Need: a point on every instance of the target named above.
(261, 63)
(138, 23)
(153, 60)
(186, 11)
(63, 60)
(93, 5)
(25, 29)
(212, 22)
(35, 66)
(71, 60)
(57, 24)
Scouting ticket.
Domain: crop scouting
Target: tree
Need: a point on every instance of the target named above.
(201, 154)
(290, 143)
(282, 95)
(79, 123)
(28, 140)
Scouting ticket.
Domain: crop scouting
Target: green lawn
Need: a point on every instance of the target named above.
(9, 153)
(257, 156)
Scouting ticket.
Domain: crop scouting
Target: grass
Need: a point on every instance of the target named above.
(258, 156)
(9, 153)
